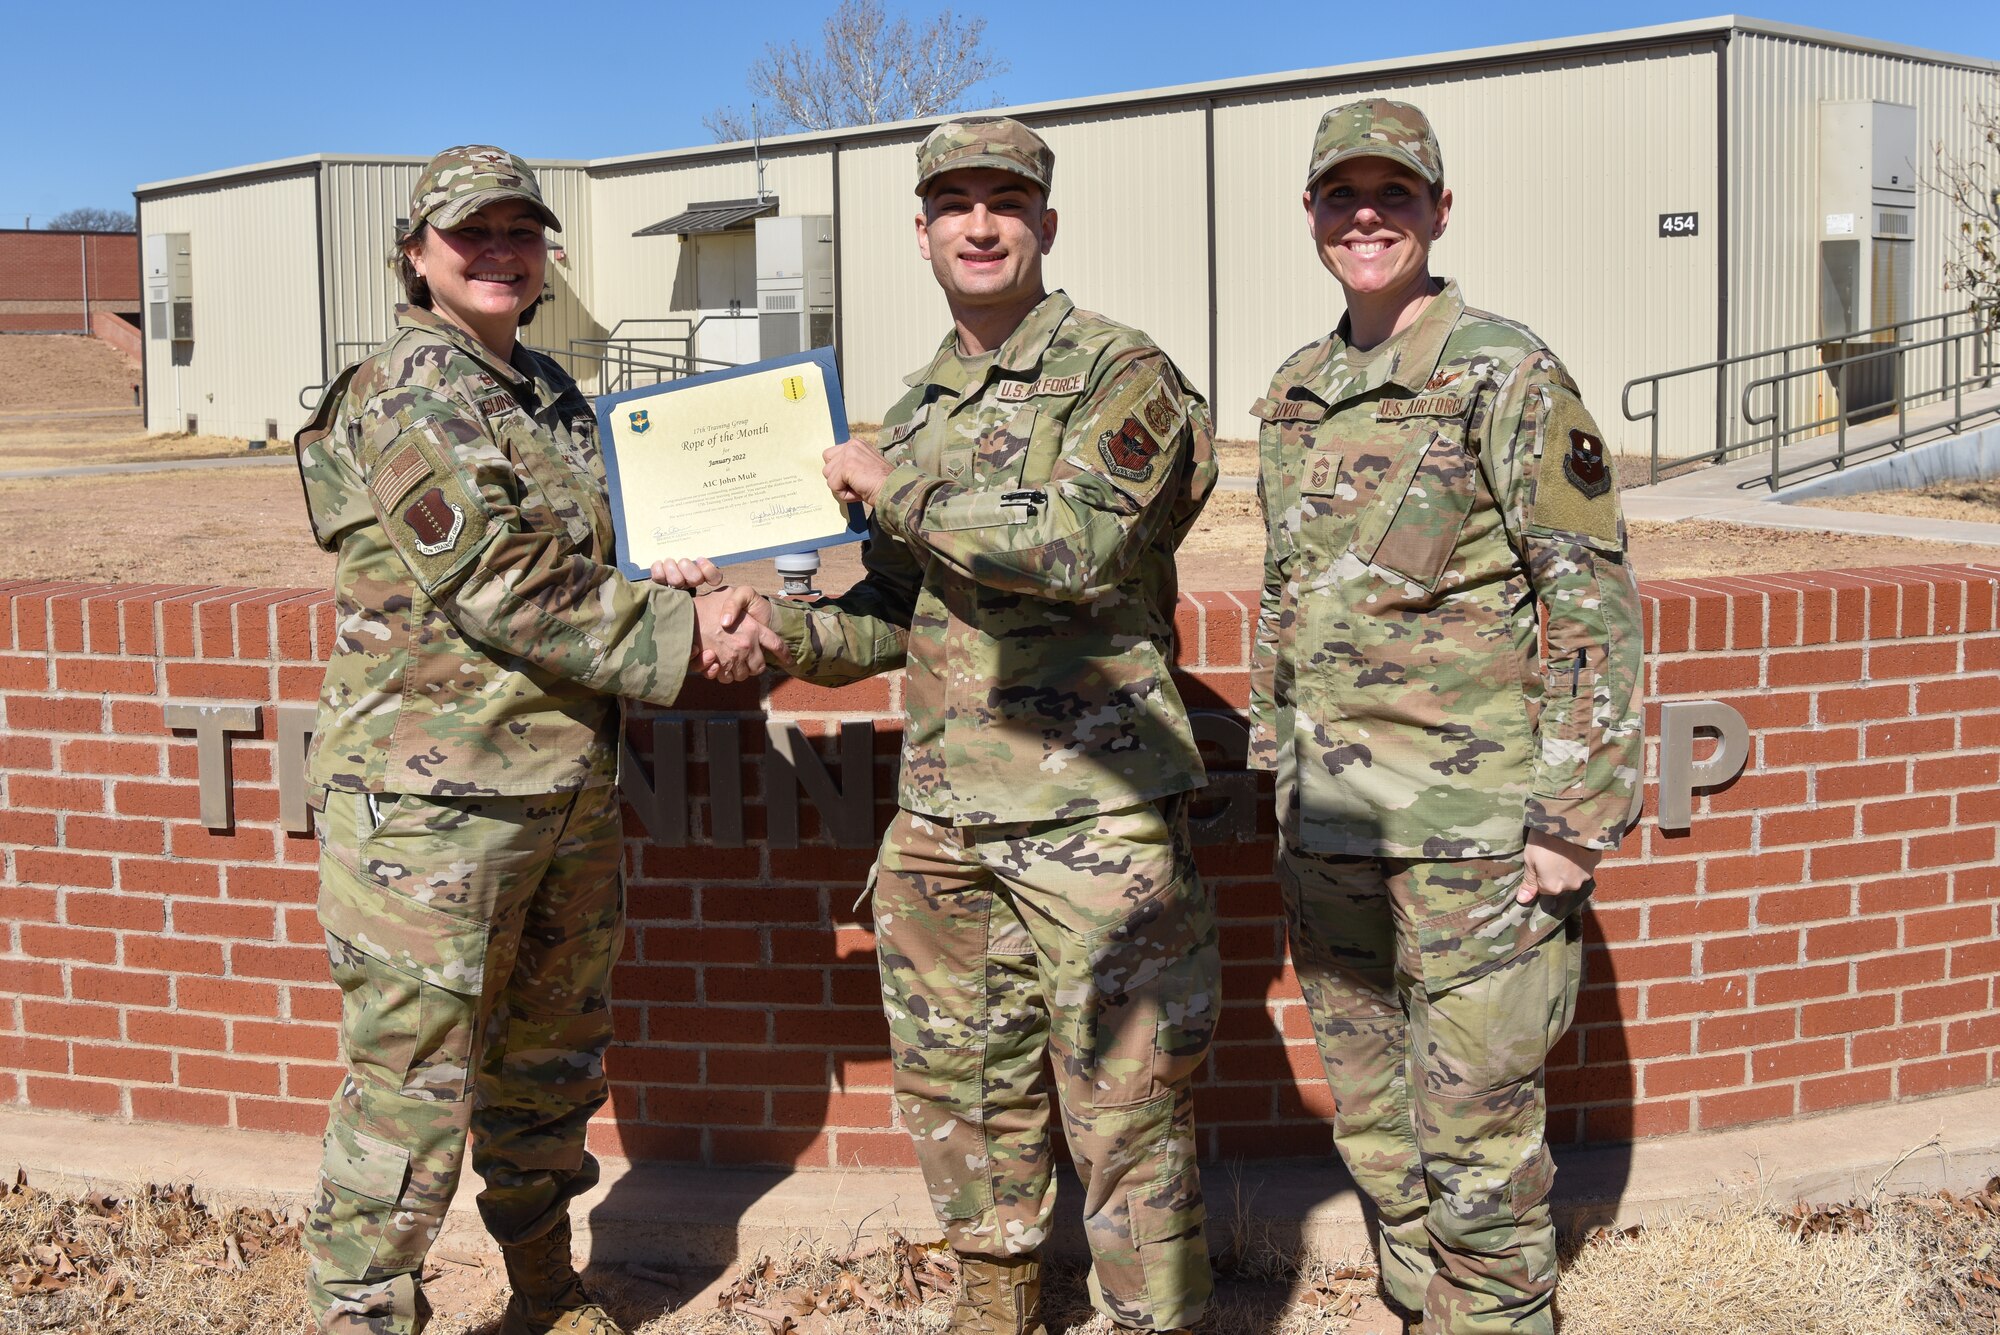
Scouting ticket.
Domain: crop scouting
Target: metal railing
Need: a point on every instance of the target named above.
(621, 361)
(624, 359)
(1963, 359)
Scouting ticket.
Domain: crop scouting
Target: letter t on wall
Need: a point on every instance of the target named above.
(1680, 772)
(210, 725)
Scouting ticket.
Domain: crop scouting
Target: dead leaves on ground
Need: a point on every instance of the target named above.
(898, 1277)
(93, 1249)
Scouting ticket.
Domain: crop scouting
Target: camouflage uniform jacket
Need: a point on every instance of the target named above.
(480, 635)
(1447, 650)
(1021, 564)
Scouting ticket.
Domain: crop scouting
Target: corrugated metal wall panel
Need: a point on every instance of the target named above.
(256, 309)
(363, 201)
(893, 313)
(1776, 88)
(1132, 240)
(1559, 174)
(1131, 243)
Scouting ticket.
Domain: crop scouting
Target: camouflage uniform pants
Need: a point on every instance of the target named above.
(1435, 1000)
(472, 939)
(1088, 945)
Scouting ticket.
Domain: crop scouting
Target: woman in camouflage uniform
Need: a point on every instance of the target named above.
(465, 761)
(1446, 681)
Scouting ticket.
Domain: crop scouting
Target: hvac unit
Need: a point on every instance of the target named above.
(794, 284)
(169, 287)
(1867, 219)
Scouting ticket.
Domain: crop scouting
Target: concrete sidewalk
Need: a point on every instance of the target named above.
(164, 466)
(671, 1214)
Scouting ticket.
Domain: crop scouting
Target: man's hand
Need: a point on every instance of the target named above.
(854, 471)
(1555, 867)
(732, 640)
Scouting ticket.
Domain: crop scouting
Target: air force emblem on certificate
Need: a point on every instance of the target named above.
(641, 423)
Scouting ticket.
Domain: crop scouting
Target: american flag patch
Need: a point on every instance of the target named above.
(397, 474)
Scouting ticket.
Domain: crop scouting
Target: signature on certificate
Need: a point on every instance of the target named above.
(773, 513)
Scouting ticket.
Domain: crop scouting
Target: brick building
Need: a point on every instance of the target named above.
(54, 282)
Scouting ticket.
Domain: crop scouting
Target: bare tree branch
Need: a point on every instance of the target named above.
(91, 220)
(868, 69)
(1971, 184)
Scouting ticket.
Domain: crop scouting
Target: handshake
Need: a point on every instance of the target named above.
(733, 638)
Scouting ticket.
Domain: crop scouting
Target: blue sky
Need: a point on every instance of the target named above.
(208, 86)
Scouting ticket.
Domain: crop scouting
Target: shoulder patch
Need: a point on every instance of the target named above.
(1574, 491)
(394, 476)
(1129, 451)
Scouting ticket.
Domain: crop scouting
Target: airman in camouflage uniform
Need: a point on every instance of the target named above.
(465, 757)
(1446, 680)
(1036, 893)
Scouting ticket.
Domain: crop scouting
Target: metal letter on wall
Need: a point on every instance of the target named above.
(1680, 772)
(211, 725)
(1231, 790)
(725, 783)
(296, 724)
(662, 801)
(791, 762)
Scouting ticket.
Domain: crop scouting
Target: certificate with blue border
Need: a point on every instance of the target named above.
(727, 465)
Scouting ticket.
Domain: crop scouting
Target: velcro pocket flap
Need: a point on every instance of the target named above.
(442, 949)
(365, 1165)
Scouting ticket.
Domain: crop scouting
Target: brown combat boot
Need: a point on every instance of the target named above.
(548, 1297)
(998, 1296)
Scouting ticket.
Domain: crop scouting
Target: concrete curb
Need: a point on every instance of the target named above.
(704, 1218)
(1975, 455)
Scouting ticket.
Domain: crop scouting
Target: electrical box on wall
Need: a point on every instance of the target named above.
(1867, 218)
(794, 284)
(169, 287)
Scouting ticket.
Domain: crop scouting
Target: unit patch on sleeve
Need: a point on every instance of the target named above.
(1573, 484)
(1129, 451)
(435, 521)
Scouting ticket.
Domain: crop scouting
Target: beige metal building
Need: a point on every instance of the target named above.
(1645, 200)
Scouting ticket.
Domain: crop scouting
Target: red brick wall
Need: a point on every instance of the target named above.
(48, 266)
(42, 277)
(1824, 935)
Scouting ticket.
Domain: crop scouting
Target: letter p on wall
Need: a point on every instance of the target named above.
(1680, 772)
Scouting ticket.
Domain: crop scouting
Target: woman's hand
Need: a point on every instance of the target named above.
(732, 641)
(678, 574)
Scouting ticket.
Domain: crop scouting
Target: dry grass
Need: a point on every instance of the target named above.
(1974, 501)
(1913, 1265)
(157, 1262)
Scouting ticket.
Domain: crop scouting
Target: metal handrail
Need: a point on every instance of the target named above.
(1725, 446)
(1982, 373)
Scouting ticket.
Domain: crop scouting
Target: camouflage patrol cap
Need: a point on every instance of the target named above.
(985, 141)
(1376, 128)
(460, 181)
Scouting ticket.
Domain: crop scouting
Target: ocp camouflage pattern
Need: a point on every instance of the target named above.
(999, 142)
(1424, 502)
(1083, 946)
(1439, 1110)
(481, 633)
(472, 939)
(1021, 565)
